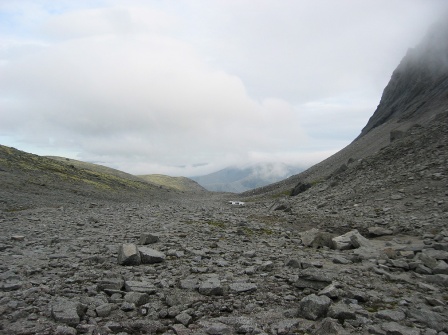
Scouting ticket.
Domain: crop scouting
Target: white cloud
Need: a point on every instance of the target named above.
(151, 87)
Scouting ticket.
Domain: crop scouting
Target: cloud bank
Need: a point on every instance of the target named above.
(187, 88)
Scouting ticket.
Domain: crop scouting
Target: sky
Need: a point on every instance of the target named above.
(186, 88)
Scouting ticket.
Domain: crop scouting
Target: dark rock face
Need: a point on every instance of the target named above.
(419, 85)
(300, 188)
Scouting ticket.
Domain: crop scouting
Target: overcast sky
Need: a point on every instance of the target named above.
(190, 87)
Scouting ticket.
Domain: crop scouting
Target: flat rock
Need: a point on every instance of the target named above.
(379, 231)
(242, 287)
(140, 286)
(151, 256)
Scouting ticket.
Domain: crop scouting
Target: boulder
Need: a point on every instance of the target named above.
(128, 254)
(316, 238)
(313, 307)
(67, 311)
(350, 240)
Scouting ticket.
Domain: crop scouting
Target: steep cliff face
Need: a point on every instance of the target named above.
(419, 86)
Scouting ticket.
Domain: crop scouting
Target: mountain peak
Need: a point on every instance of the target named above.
(419, 85)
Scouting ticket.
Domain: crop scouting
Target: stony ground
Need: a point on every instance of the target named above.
(219, 269)
(364, 251)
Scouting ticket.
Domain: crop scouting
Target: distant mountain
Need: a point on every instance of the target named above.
(178, 183)
(241, 179)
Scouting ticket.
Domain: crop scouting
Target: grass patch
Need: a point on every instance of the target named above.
(282, 194)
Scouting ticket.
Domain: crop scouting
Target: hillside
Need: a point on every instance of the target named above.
(178, 183)
(27, 179)
(97, 168)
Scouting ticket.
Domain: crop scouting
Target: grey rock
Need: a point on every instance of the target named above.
(242, 287)
(313, 307)
(329, 326)
(427, 260)
(352, 239)
(337, 259)
(379, 231)
(342, 311)
(103, 310)
(180, 329)
(309, 236)
(66, 311)
(128, 254)
(148, 239)
(437, 254)
(431, 319)
(65, 330)
(441, 268)
(294, 263)
(112, 283)
(211, 286)
(177, 297)
(137, 298)
(330, 291)
(267, 266)
(438, 279)
(390, 315)
(286, 326)
(394, 328)
(189, 283)
(151, 256)
(127, 306)
(184, 318)
(313, 278)
(140, 286)
(218, 328)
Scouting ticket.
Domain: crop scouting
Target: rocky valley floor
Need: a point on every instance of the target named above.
(199, 265)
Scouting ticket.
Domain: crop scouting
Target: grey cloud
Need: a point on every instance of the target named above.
(149, 88)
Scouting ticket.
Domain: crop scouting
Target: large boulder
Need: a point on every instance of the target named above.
(128, 254)
(316, 238)
(313, 307)
(67, 311)
(352, 239)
